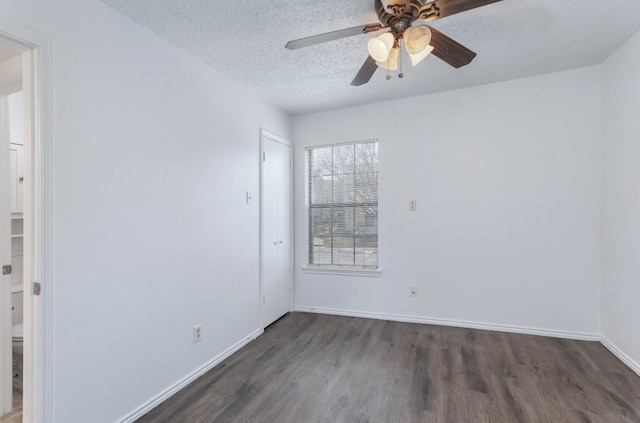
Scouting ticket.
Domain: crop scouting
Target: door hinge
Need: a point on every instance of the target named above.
(264, 299)
(264, 157)
(7, 269)
(36, 288)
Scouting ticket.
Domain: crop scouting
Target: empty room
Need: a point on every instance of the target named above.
(362, 211)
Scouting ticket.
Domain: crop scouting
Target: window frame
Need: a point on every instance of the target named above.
(336, 269)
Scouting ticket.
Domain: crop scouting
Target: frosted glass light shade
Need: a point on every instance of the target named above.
(417, 38)
(392, 61)
(417, 58)
(380, 47)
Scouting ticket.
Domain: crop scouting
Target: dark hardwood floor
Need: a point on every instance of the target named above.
(319, 368)
(15, 415)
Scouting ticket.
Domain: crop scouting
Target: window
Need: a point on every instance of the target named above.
(343, 205)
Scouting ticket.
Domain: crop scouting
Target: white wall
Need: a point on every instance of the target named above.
(506, 178)
(621, 200)
(153, 154)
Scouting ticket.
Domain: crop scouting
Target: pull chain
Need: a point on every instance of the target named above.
(388, 77)
(400, 75)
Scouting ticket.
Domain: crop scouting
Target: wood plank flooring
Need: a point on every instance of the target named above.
(15, 416)
(319, 368)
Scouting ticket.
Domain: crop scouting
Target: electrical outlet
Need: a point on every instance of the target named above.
(197, 333)
(412, 205)
(413, 291)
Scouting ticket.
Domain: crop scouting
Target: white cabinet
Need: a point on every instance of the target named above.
(16, 178)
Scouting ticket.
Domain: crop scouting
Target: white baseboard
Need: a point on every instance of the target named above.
(154, 402)
(632, 364)
(157, 400)
(454, 323)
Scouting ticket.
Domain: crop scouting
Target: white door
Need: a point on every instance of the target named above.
(277, 283)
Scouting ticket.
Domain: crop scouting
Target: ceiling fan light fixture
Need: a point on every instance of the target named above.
(417, 58)
(417, 39)
(380, 47)
(391, 63)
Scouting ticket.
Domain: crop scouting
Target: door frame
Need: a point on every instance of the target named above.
(264, 135)
(38, 223)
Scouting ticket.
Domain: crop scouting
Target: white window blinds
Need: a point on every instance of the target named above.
(343, 205)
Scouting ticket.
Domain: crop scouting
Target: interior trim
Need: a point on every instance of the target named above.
(631, 363)
(173, 389)
(344, 271)
(581, 336)
(161, 397)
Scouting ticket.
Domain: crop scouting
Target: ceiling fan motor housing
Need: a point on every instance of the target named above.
(398, 15)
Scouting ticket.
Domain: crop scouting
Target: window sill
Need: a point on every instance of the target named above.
(344, 271)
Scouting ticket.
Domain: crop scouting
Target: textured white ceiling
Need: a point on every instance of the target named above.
(245, 40)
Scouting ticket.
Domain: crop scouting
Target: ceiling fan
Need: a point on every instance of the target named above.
(398, 16)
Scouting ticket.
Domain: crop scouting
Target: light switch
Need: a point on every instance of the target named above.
(249, 198)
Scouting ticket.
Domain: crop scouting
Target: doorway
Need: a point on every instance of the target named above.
(276, 223)
(25, 221)
(12, 122)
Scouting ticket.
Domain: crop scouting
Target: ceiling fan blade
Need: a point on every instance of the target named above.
(449, 50)
(335, 35)
(442, 8)
(366, 72)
